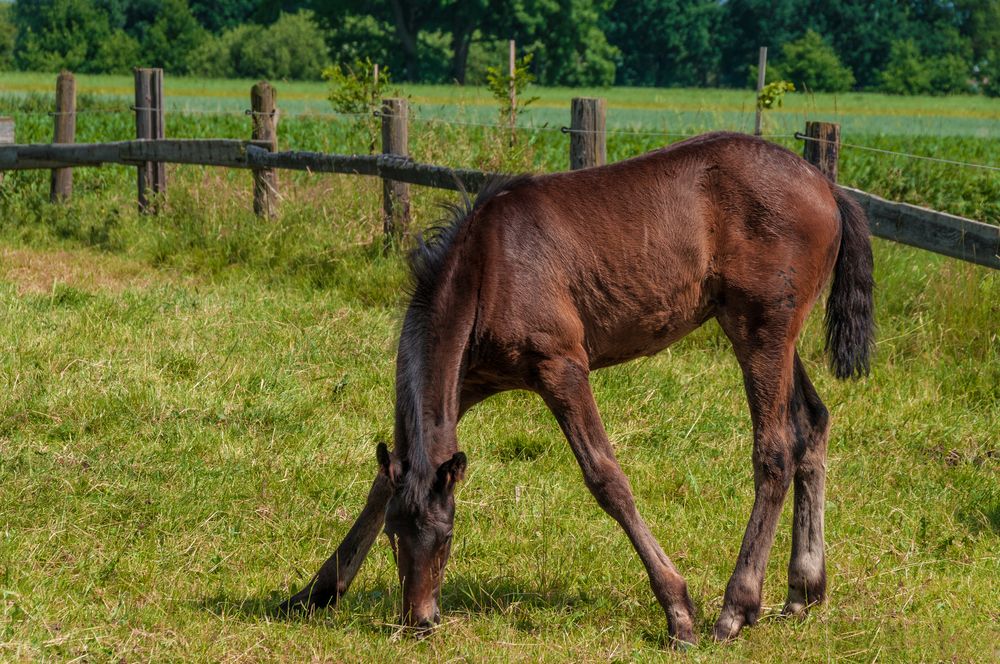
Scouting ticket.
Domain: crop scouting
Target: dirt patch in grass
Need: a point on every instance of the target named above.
(39, 271)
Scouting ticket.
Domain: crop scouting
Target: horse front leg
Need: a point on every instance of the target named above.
(566, 390)
(335, 576)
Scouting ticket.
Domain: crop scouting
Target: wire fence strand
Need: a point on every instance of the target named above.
(941, 160)
(315, 115)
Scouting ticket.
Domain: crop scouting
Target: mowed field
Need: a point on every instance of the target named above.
(191, 403)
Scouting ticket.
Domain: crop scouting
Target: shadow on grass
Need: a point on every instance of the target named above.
(359, 599)
(461, 594)
(476, 595)
(375, 609)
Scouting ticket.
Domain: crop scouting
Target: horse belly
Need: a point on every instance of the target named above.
(645, 322)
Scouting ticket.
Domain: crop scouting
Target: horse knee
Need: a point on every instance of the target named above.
(775, 466)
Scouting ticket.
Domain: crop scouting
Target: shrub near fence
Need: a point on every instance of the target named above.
(935, 231)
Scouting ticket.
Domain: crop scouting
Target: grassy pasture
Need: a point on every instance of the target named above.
(191, 404)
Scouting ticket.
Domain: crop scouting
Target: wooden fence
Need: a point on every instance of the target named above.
(943, 233)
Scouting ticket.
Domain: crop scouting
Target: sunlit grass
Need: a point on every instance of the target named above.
(188, 427)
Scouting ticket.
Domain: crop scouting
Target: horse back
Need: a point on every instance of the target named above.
(624, 259)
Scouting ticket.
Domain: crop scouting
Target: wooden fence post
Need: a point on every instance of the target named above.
(6, 136)
(512, 92)
(761, 75)
(263, 110)
(822, 147)
(395, 195)
(587, 139)
(61, 187)
(152, 176)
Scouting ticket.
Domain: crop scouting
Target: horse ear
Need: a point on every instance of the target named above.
(451, 472)
(386, 466)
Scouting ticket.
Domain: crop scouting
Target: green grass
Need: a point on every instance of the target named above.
(191, 404)
(960, 128)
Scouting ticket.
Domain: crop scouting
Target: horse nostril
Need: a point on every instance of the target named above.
(424, 626)
(437, 617)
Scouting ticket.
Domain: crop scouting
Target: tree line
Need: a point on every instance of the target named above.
(897, 46)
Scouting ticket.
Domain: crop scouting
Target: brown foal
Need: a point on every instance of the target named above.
(545, 278)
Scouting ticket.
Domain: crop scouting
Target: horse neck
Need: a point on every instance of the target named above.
(427, 388)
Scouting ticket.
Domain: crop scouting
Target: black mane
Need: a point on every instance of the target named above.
(427, 259)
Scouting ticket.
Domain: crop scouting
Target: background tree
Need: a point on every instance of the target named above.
(60, 34)
(675, 47)
(171, 37)
(218, 15)
(811, 64)
(899, 45)
(8, 38)
(293, 47)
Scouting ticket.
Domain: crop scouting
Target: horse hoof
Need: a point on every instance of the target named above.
(292, 606)
(795, 609)
(727, 627)
(304, 602)
(683, 642)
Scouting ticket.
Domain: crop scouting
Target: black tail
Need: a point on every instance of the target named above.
(850, 311)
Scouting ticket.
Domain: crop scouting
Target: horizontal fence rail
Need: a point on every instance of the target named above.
(943, 233)
(229, 153)
(388, 166)
(940, 232)
(947, 234)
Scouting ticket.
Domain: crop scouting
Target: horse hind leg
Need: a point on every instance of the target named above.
(764, 346)
(807, 565)
(564, 386)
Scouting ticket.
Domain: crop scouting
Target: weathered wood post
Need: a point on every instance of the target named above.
(61, 187)
(263, 110)
(149, 124)
(512, 73)
(822, 147)
(587, 138)
(761, 73)
(6, 135)
(395, 195)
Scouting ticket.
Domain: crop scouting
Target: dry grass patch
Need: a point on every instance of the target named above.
(34, 271)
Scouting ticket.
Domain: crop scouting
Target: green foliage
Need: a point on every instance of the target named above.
(8, 38)
(119, 54)
(500, 81)
(772, 95)
(676, 45)
(79, 35)
(218, 15)
(950, 74)
(59, 34)
(354, 89)
(171, 39)
(191, 404)
(812, 64)
(293, 47)
(355, 37)
(566, 39)
(989, 73)
(581, 43)
(908, 73)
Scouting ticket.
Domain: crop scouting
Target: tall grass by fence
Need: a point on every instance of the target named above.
(940, 232)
